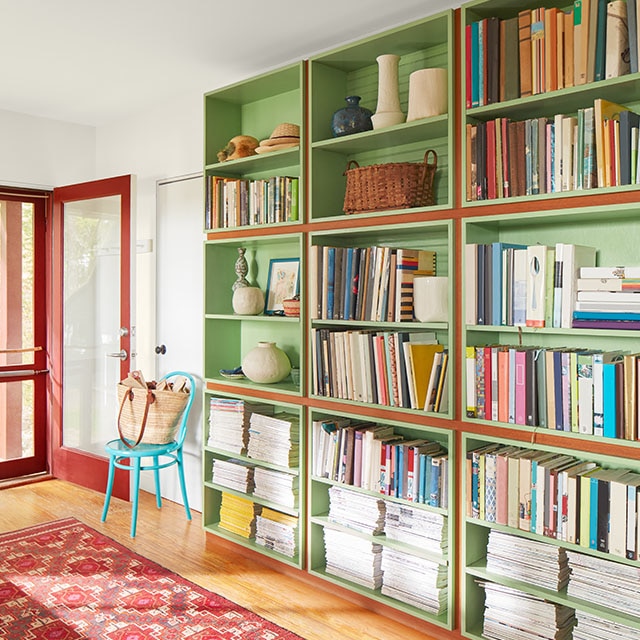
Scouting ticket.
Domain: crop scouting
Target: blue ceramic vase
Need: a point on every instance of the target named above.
(351, 119)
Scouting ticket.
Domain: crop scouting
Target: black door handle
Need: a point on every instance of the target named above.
(161, 349)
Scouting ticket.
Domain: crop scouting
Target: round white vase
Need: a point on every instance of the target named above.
(266, 363)
(248, 301)
(388, 110)
(427, 93)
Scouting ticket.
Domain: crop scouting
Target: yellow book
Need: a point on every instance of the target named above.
(422, 356)
(603, 110)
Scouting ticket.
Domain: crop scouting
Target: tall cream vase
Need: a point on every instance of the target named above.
(388, 110)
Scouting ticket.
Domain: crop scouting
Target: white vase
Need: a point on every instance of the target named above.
(266, 363)
(248, 301)
(388, 110)
(431, 298)
(427, 94)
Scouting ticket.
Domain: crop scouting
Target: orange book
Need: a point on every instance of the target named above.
(560, 48)
(604, 110)
(551, 48)
(524, 36)
(568, 49)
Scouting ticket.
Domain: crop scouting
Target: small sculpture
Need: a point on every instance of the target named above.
(238, 147)
(241, 269)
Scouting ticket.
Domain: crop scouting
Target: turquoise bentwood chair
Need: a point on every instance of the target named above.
(160, 455)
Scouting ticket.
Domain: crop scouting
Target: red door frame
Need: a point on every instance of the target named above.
(76, 466)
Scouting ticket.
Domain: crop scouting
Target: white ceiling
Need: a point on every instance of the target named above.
(94, 62)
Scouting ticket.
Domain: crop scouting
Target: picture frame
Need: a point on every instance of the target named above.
(283, 282)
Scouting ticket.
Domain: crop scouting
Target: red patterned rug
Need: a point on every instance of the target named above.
(65, 581)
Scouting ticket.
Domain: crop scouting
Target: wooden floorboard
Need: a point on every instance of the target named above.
(310, 607)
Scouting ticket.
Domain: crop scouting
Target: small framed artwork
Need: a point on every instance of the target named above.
(283, 282)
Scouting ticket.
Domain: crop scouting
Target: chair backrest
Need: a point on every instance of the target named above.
(182, 429)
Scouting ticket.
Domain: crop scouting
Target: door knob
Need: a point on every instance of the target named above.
(122, 354)
(161, 349)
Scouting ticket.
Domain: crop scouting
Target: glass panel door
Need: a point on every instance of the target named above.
(92, 325)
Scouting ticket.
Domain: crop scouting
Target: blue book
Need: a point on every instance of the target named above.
(434, 482)
(481, 62)
(605, 315)
(331, 265)
(399, 471)
(475, 69)
(498, 278)
(609, 404)
(422, 473)
(601, 39)
(346, 287)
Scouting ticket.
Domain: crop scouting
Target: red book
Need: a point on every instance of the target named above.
(506, 169)
(491, 160)
(503, 385)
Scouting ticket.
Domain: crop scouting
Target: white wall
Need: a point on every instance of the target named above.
(45, 153)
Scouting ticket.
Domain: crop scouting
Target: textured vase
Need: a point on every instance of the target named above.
(351, 119)
(266, 363)
(427, 93)
(388, 110)
(248, 301)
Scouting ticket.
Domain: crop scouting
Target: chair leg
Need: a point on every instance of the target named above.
(183, 485)
(107, 494)
(156, 477)
(134, 497)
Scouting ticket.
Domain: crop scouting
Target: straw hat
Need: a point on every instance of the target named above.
(285, 135)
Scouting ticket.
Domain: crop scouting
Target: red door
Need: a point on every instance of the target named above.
(92, 333)
(23, 333)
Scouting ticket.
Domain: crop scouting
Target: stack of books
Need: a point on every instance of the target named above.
(277, 531)
(608, 298)
(423, 529)
(356, 510)
(276, 486)
(353, 558)
(238, 515)
(611, 585)
(414, 580)
(510, 614)
(274, 439)
(233, 474)
(229, 423)
(531, 561)
(592, 627)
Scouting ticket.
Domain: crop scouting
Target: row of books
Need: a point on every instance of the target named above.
(395, 369)
(375, 458)
(555, 495)
(239, 202)
(580, 390)
(545, 49)
(367, 283)
(596, 147)
(526, 285)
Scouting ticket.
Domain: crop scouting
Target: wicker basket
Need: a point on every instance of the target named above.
(149, 416)
(395, 185)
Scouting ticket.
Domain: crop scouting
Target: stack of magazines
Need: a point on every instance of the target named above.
(233, 474)
(511, 614)
(277, 531)
(274, 439)
(539, 563)
(229, 423)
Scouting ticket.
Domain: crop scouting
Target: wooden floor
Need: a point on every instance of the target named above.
(309, 607)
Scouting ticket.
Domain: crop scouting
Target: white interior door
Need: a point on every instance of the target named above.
(179, 312)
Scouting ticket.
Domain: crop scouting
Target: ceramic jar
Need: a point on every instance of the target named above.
(427, 93)
(248, 301)
(351, 119)
(266, 363)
